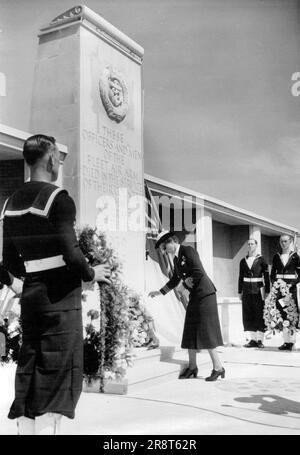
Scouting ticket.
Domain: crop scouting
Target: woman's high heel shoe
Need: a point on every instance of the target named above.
(215, 374)
(188, 373)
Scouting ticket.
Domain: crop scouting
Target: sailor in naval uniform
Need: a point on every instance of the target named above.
(254, 282)
(202, 326)
(286, 266)
(39, 244)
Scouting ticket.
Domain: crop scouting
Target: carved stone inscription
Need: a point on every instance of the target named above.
(110, 163)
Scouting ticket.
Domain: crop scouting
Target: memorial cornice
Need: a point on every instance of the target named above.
(83, 15)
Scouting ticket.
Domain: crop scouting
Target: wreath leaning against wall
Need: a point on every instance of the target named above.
(119, 322)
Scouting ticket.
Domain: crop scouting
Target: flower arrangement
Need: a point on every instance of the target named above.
(140, 320)
(10, 329)
(108, 347)
(287, 317)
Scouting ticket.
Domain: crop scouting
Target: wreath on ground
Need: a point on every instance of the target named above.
(123, 322)
(273, 317)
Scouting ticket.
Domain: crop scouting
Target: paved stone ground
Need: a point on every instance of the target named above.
(260, 395)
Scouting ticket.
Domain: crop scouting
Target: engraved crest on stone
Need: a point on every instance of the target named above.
(114, 94)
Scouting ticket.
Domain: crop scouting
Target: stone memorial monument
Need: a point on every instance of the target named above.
(88, 94)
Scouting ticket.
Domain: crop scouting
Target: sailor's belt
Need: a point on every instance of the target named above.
(253, 280)
(38, 265)
(289, 277)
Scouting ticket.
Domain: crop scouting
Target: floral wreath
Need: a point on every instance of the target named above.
(274, 320)
(123, 321)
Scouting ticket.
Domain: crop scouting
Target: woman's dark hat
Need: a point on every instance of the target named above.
(162, 237)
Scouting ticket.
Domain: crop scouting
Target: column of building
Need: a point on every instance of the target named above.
(204, 236)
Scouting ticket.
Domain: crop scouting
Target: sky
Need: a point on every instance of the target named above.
(220, 117)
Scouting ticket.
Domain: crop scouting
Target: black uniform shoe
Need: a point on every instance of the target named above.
(215, 374)
(251, 344)
(286, 347)
(260, 344)
(188, 373)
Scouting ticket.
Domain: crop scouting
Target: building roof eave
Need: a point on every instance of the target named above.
(226, 209)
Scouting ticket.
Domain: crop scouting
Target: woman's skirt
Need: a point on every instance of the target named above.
(50, 364)
(202, 326)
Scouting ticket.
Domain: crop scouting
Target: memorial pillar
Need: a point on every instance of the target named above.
(88, 94)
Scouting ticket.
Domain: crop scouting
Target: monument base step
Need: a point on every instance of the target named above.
(119, 387)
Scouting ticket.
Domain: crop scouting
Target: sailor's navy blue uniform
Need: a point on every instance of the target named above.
(201, 327)
(251, 281)
(290, 273)
(39, 244)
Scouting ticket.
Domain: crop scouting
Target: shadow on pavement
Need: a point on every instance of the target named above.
(273, 404)
(167, 355)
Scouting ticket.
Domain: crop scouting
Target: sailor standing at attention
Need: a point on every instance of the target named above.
(286, 266)
(254, 282)
(40, 245)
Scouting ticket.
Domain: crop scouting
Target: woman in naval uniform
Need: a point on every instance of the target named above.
(39, 244)
(201, 327)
